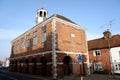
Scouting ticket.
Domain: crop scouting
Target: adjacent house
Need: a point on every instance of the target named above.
(104, 53)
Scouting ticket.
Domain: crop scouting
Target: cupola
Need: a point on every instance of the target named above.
(41, 15)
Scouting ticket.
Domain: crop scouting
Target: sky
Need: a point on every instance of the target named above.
(18, 16)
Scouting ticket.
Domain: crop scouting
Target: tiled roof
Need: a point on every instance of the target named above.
(64, 18)
(102, 43)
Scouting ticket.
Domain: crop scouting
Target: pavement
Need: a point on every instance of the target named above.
(74, 77)
(93, 77)
(90, 77)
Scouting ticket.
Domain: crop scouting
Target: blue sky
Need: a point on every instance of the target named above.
(18, 16)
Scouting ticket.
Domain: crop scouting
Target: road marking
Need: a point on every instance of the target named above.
(12, 78)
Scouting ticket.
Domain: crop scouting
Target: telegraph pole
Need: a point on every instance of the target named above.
(112, 66)
(109, 46)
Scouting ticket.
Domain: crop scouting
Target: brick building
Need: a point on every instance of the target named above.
(104, 53)
(50, 48)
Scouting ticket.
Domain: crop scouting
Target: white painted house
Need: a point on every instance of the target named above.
(115, 58)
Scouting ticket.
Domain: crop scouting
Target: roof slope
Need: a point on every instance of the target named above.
(102, 43)
(63, 18)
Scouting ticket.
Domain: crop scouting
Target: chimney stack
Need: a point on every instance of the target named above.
(107, 34)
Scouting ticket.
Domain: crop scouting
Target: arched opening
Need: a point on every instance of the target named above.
(16, 65)
(27, 66)
(67, 65)
(12, 66)
(44, 66)
(44, 14)
(34, 68)
(40, 13)
(21, 65)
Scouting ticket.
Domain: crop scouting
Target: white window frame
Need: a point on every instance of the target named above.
(43, 34)
(119, 53)
(72, 35)
(98, 66)
(27, 41)
(116, 67)
(22, 43)
(34, 37)
(17, 46)
(96, 52)
(119, 66)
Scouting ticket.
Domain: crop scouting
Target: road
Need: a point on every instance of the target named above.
(5, 75)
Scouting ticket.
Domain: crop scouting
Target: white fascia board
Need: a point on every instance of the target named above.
(70, 24)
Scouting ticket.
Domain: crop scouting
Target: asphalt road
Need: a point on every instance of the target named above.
(5, 75)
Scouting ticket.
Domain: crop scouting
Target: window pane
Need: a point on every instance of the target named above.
(119, 53)
(97, 52)
(27, 41)
(35, 38)
(43, 34)
(22, 44)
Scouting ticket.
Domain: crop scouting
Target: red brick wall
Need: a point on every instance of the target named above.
(39, 47)
(66, 43)
(31, 66)
(104, 58)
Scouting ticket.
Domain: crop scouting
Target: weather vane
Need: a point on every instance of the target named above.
(42, 4)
